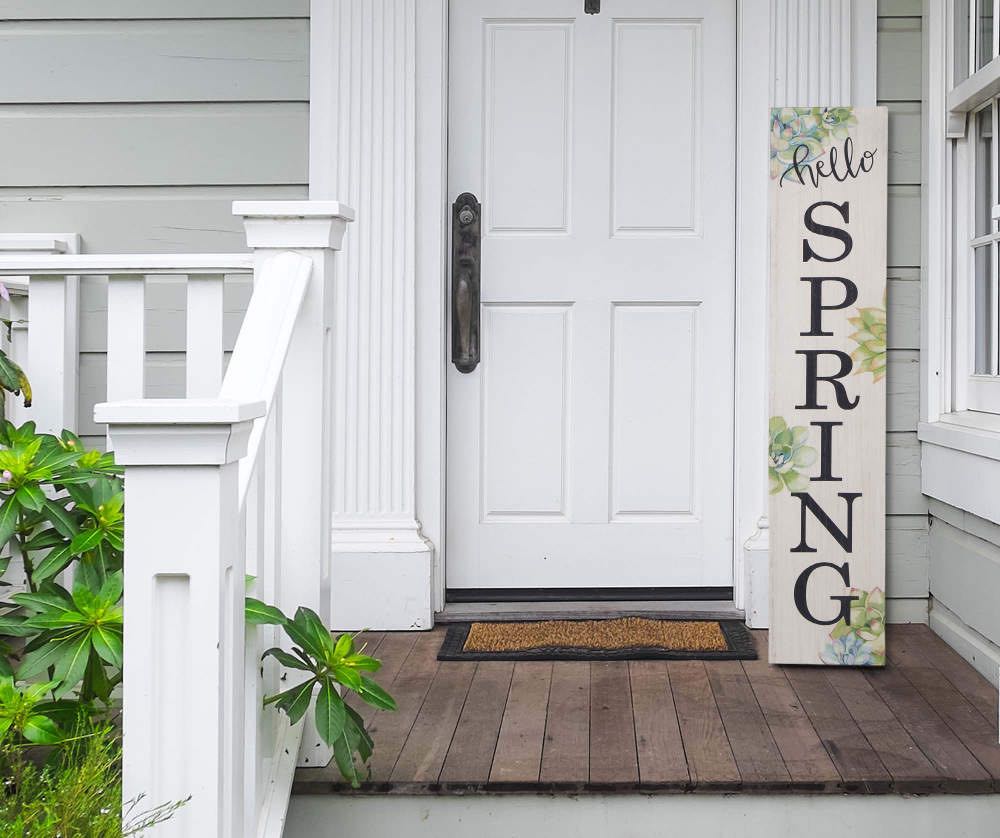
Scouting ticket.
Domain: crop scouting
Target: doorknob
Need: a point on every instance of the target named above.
(465, 259)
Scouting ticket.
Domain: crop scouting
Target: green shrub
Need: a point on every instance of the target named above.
(75, 793)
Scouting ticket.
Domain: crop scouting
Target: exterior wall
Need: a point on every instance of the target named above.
(899, 88)
(136, 123)
(964, 580)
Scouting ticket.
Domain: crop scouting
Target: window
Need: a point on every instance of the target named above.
(975, 90)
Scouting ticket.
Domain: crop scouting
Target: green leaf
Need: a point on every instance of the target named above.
(71, 666)
(12, 378)
(49, 654)
(286, 659)
(30, 497)
(374, 695)
(52, 564)
(108, 643)
(330, 713)
(261, 614)
(14, 627)
(365, 743)
(44, 540)
(41, 730)
(86, 540)
(344, 646)
(111, 592)
(43, 601)
(8, 520)
(344, 755)
(315, 634)
(348, 677)
(363, 662)
(294, 701)
(62, 520)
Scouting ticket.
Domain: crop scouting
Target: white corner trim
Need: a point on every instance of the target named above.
(969, 643)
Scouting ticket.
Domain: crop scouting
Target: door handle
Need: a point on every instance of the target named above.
(465, 262)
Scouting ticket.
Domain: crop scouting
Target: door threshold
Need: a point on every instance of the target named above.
(464, 612)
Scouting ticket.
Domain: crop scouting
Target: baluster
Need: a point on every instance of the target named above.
(53, 304)
(126, 337)
(204, 335)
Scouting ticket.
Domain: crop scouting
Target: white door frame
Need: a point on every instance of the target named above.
(789, 72)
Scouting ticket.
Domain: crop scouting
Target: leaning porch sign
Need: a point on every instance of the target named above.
(826, 464)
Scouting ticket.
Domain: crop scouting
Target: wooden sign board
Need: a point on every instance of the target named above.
(826, 464)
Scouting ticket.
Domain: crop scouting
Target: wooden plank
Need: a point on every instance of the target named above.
(975, 732)
(566, 753)
(757, 755)
(409, 688)
(149, 9)
(710, 759)
(471, 753)
(613, 759)
(911, 771)
(960, 771)
(215, 60)
(154, 145)
(657, 732)
(847, 746)
(518, 754)
(976, 689)
(808, 764)
(904, 309)
(426, 747)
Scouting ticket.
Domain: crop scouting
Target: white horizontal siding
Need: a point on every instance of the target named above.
(151, 9)
(197, 219)
(154, 144)
(898, 88)
(154, 61)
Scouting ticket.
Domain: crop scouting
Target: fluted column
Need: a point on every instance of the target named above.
(363, 77)
(823, 52)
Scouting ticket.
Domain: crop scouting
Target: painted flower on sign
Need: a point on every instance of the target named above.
(787, 453)
(870, 337)
(862, 642)
(815, 128)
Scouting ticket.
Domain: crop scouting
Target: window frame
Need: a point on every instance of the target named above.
(971, 390)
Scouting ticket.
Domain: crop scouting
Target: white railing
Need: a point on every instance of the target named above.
(231, 481)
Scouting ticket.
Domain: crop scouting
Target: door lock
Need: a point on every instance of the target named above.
(465, 264)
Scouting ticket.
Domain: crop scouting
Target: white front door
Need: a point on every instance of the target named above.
(593, 445)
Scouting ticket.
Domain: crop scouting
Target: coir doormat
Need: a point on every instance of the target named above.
(624, 638)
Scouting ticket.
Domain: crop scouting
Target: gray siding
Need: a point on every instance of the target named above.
(136, 123)
(899, 89)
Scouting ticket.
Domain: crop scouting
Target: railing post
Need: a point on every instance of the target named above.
(183, 692)
(314, 229)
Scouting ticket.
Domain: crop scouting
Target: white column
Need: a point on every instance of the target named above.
(184, 652)
(363, 150)
(314, 229)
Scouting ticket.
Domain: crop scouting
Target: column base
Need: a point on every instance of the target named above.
(381, 583)
(756, 576)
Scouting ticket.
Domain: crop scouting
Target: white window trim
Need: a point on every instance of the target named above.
(960, 455)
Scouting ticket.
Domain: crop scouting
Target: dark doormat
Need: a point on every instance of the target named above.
(623, 638)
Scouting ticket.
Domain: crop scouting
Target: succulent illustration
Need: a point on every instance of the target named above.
(870, 337)
(862, 642)
(815, 128)
(787, 454)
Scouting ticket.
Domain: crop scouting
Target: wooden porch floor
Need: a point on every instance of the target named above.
(927, 723)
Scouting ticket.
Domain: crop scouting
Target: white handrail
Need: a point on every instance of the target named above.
(254, 370)
(104, 264)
